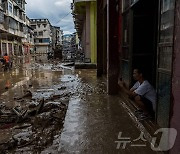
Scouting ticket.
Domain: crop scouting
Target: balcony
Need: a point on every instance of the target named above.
(16, 32)
(19, 19)
(19, 5)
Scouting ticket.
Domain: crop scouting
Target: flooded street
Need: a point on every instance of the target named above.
(33, 103)
(47, 107)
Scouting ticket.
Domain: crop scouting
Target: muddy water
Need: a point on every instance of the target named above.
(45, 80)
(27, 73)
(93, 119)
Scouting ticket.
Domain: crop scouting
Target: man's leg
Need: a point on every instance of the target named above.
(140, 104)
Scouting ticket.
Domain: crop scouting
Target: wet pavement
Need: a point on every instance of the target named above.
(93, 122)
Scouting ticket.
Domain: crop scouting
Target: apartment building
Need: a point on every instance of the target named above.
(42, 35)
(57, 34)
(12, 26)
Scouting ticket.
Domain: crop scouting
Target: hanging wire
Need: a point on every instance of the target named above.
(63, 17)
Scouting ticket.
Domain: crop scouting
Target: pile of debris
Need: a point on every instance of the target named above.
(32, 127)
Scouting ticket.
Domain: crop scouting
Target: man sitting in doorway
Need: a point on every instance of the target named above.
(143, 94)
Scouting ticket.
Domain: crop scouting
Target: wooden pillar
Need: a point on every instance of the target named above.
(112, 47)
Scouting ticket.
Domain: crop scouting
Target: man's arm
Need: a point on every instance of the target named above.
(130, 92)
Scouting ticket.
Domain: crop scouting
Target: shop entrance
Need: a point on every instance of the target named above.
(144, 37)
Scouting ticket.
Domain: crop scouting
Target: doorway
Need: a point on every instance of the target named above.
(144, 38)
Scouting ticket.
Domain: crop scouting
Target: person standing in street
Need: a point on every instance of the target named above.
(6, 61)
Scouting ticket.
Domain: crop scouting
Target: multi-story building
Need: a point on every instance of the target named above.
(28, 40)
(12, 24)
(1, 24)
(67, 42)
(67, 46)
(75, 45)
(42, 35)
(61, 37)
(57, 34)
(84, 13)
(56, 37)
(67, 37)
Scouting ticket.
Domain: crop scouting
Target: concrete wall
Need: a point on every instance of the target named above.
(41, 49)
(83, 40)
(87, 29)
(93, 37)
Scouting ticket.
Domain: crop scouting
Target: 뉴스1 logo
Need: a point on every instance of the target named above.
(167, 140)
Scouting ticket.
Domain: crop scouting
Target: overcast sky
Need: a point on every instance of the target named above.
(57, 11)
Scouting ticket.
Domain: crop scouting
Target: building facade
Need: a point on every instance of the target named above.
(143, 34)
(42, 35)
(85, 17)
(57, 36)
(12, 26)
(28, 40)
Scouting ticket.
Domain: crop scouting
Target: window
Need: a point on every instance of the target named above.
(41, 33)
(15, 12)
(40, 40)
(39, 25)
(4, 47)
(33, 26)
(35, 33)
(46, 40)
(10, 48)
(13, 24)
(10, 7)
(44, 25)
(36, 40)
(1, 17)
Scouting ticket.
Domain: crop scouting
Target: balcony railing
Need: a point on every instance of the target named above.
(16, 32)
(1, 16)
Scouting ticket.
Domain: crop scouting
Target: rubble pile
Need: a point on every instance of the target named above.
(34, 125)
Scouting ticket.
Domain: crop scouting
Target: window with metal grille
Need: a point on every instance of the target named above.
(41, 33)
(33, 26)
(10, 7)
(1, 17)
